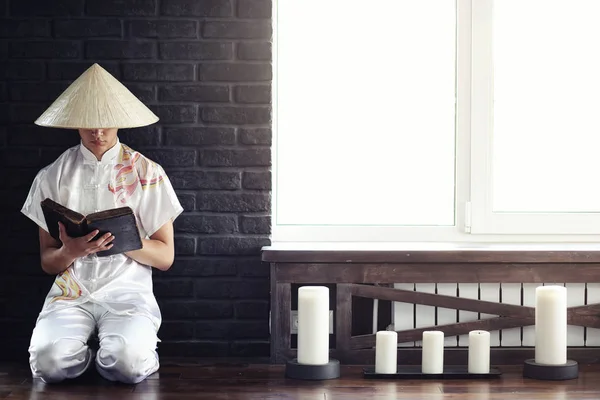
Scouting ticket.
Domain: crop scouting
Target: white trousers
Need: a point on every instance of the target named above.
(59, 349)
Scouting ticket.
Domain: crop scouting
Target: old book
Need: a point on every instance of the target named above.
(118, 221)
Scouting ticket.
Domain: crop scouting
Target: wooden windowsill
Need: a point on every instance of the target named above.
(431, 252)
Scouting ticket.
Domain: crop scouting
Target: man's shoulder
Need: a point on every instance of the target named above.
(67, 156)
(143, 164)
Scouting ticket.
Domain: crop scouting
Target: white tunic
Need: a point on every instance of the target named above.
(80, 182)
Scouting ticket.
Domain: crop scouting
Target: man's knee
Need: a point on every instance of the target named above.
(125, 362)
(58, 360)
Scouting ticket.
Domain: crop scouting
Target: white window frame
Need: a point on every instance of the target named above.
(474, 220)
(484, 219)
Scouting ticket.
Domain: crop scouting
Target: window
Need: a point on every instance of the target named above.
(435, 120)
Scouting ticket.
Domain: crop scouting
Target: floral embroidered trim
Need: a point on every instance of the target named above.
(69, 287)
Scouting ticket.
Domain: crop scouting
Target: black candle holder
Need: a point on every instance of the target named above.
(533, 370)
(295, 370)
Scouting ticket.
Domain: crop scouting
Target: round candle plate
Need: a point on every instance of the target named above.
(295, 370)
(546, 372)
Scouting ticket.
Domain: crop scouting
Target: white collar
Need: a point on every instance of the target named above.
(109, 157)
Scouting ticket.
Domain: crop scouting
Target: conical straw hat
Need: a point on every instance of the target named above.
(96, 100)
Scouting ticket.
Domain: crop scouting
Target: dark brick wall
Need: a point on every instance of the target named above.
(204, 66)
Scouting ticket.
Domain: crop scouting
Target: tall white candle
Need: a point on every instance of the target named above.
(551, 325)
(433, 352)
(313, 325)
(386, 352)
(479, 352)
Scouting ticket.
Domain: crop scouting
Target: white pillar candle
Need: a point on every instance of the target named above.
(386, 352)
(551, 325)
(313, 325)
(479, 352)
(433, 352)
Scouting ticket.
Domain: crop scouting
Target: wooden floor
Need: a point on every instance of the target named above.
(234, 380)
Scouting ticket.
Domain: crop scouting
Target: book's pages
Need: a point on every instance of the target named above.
(120, 222)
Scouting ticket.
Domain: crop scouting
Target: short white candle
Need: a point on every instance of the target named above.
(313, 325)
(433, 352)
(479, 352)
(551, 325)
(386, 352)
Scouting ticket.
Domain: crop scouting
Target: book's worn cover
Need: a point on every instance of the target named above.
(120, 222)
(73, 221)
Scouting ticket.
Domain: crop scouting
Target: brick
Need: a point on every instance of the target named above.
(237, 30)
(114, 49)
(185, 246)
(220, 289)
(48, 156)
(233, 202)
(206, 224)
(20, 179)
(199, 136)
(21, 70)
(172, 158)
(172, 114)
(255, 136)
(228, 180)
(173, 288)
(12, 199)
(170, 330)
(82, 28)
(196, 51)
(232, 245)
(23, 264)
(236, 158)
(255, 180)
(252, 310)
(4, 113)
(255, 224)
(45, 49)
(193, 348)
(195, 8)
(17, 308)
(17, 328)
(196, 93)
(34, 92)
(33, 135)
(145, 93)
(232, 330)
(247, 348)
(187, 200)
(175, 309)
(236, 115)
(18, 28)
(20, 157)
(159, 72)
(258, 94)
(163, 29)
(46, 8)
(26, 113)
(204, 266)
(144, 136)
(255, 51)
(121, 8)
(253, 268)
(235, 72)
(254, 8)
(72, 70)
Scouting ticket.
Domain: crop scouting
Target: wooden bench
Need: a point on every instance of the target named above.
(370, 274)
